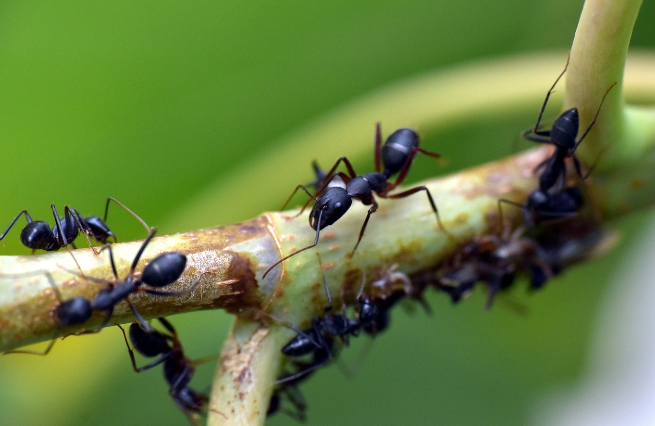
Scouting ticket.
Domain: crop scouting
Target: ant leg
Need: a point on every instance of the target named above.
(378, 143)
(294, 193)
(325, 285)
(312, 367)
(543, 107)
(153, 231)
(318, 231)
(324, 184)
(27, 216)
(145, 225)
(145, 367)
(75, 216)
(44, 353)
(592, 122)
(295, 329)
(432, 203)
(60, 229)
(500, 211)
(111, 259)
(410, 159)
(372, 210)
(534, 136)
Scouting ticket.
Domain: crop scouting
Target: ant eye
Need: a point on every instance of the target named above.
(338, 205)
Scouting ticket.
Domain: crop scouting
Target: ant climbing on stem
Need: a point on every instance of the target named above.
(332, 202)
(553, 200)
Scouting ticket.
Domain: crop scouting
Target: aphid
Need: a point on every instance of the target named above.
(178, 369)
(37, 235)
(395, 157)
(495, 260)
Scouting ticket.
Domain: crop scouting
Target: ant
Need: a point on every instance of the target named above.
(178, 369)
(162, 271)
(549, 202)
(38, 235)
(333, 202)
(318, 339)
(561, 135)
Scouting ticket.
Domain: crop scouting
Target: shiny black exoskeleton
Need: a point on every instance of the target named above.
(178, 369)
(319, 337)
(37, 235)
(561, 135)
(162, 271)
(395, 156)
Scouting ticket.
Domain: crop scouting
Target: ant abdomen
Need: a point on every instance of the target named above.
(397, 149)
(37, 235)
(71, 312)
(165, 269)
(148, 343)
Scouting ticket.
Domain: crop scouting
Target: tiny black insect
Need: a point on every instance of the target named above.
(178, 369)
(395, 157)
(37, 235)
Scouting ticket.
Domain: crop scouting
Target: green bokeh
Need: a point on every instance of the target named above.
(151, 102)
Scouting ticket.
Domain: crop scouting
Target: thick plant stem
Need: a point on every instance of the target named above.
(221, 259)
(598, 58)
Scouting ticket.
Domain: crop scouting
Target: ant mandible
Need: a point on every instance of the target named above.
(178, 369)
(333, 202)
(38, 235)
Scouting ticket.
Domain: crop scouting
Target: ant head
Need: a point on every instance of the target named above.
(36, 235)
(397, 149)
(148, 343)
(333, 203)
(164, 269)
(565, 129)
(99, 229)
(71, 312)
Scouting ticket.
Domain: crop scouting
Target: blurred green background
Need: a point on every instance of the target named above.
(157, 103)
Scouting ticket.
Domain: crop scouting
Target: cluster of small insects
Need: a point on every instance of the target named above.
(552, 236)
(535, 248)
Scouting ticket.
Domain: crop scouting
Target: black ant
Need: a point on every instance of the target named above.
(548, 202)
(333, 202)
(38, 235)
(562, 136)
(318, 339)
(178, 369)
(162, 271)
